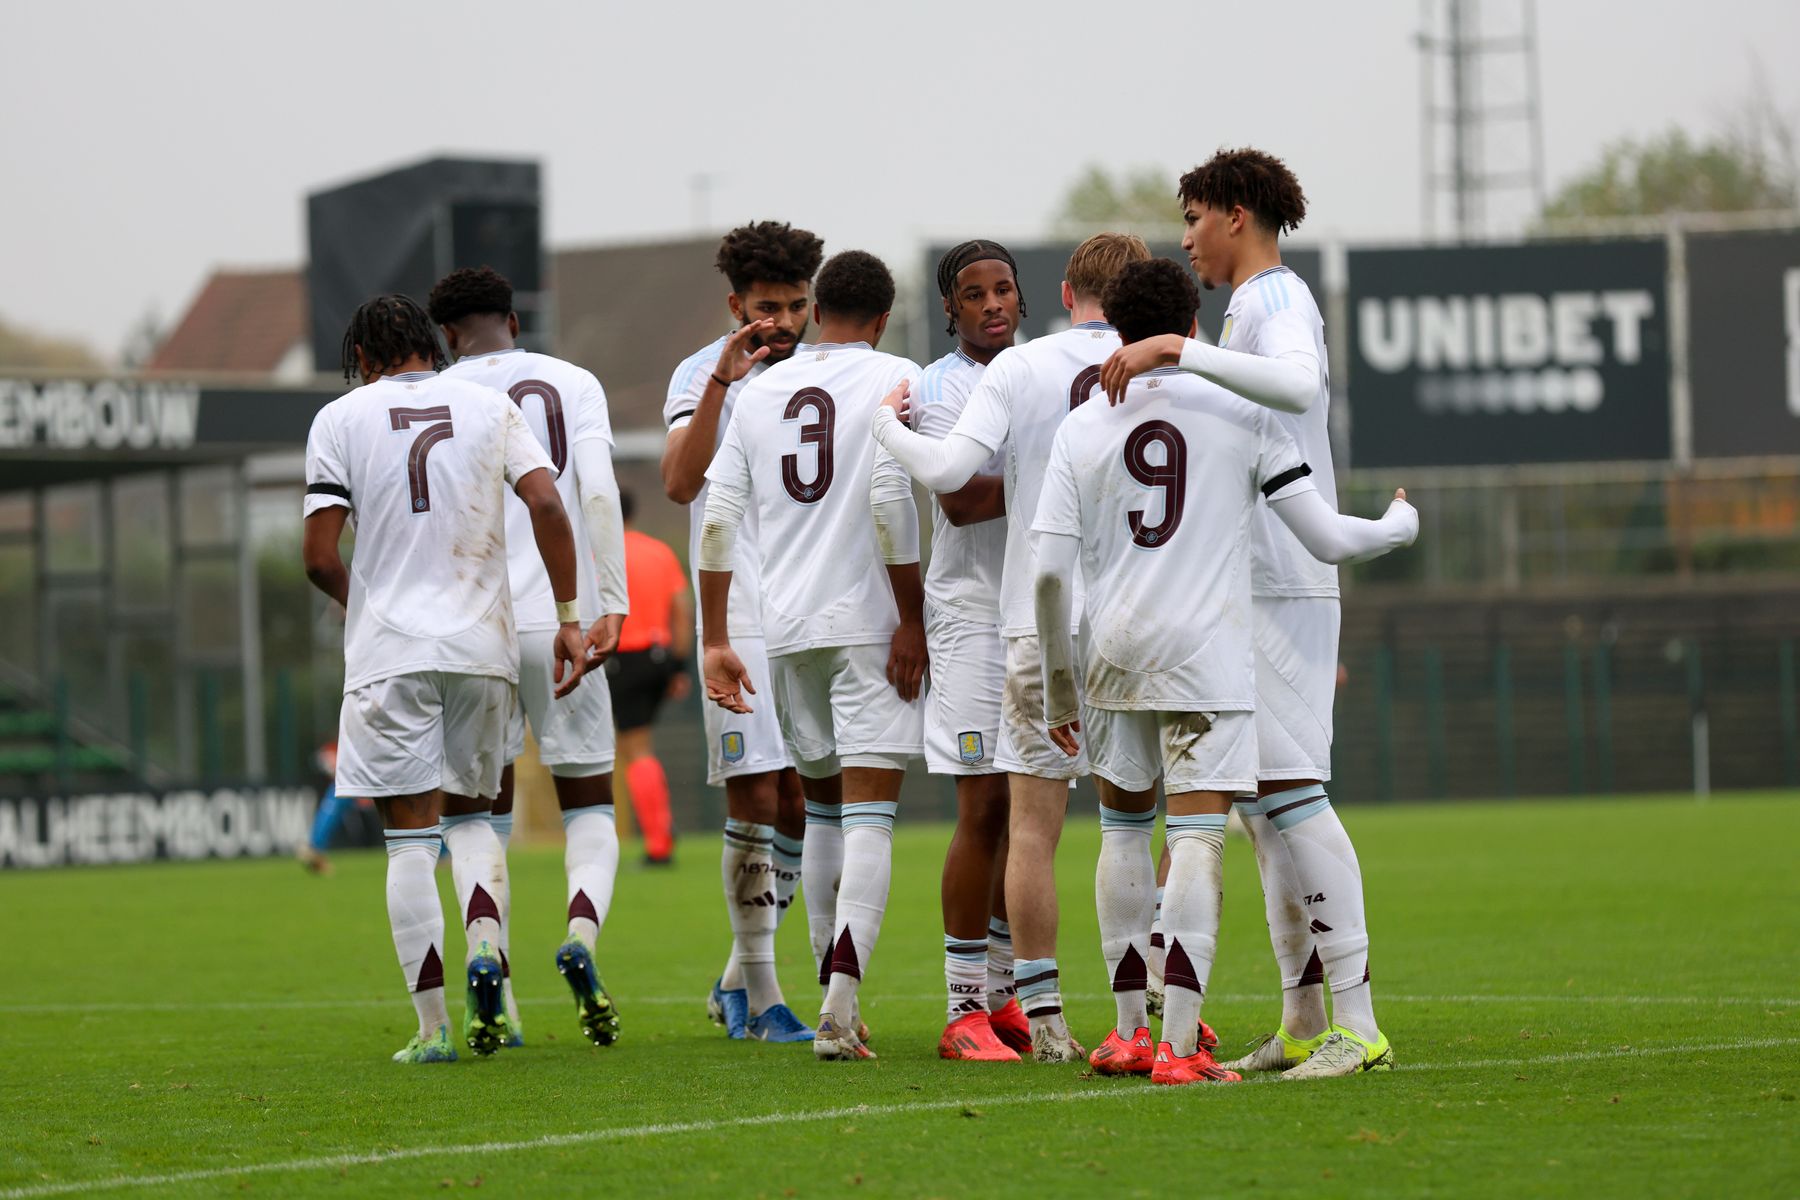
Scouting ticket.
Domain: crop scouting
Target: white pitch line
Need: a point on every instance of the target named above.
(675, 1128)
(629, 1001)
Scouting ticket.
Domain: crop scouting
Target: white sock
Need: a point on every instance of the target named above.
(821, 867)
(505, 946)
(1191, 919)
(965, 976)
(786, 853)
(1302, 976)
(749, 879)
(1000, 989)
(479, 871)
(1156, 939)
(862, 899)
(1125, 895)
(591, 863)
(1040, 994)
(1331, 884)
(416, 916)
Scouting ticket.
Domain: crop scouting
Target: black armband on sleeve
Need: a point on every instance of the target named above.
(1286, 477)
(328, 489)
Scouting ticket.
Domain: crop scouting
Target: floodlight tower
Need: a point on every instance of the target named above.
(1480, 124)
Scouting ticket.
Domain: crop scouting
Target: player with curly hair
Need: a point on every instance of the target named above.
(769, 266)
(1271, 351)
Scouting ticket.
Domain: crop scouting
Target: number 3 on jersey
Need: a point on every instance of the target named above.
(1170, 475)
(816, 433)
(418, 479)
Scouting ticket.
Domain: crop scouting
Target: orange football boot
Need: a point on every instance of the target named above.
(970, 1038)
(1011, 1026)
(1197, 1067)
(1121, 1056)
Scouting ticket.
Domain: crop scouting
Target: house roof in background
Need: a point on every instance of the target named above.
(244, 321)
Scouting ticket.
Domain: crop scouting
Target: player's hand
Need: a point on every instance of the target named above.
(736, 359)
(603, 638)
(727, 679)
(679, 686)
(1064, 737)
(571, 658)
(1128, 362)
(1406, 514)
(907, 660)
(900, 401)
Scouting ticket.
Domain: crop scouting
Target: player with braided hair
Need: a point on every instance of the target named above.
(979, 283)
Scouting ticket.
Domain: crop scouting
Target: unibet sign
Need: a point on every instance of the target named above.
(1501, 354)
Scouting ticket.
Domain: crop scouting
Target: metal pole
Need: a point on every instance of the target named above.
(1461, 150)
(1503, 719)
(1434, 723)
(249, 636)
(185, 758)
(1681, 392)
(1603, 753)
(1573, 715)
(1384, 723)
(1702, 732)
(1790, 735)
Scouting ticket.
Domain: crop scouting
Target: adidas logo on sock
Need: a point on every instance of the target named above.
(1319, 926)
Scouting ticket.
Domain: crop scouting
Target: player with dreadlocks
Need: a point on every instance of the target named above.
(979, 283)
(1272, 351)
(769, 265)
(565, 408)
(422, 461)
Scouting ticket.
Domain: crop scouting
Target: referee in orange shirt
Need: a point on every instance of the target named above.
(649, 666)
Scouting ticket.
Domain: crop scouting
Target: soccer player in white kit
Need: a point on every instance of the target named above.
(843, 603)
(979, 283)
(565, 408)
(1022, 398)
(770, 266)
(1152, 505)
(422, 462)
(1272, 351)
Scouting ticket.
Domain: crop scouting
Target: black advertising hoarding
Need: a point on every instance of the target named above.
(1744, 342)
(1040, 282)
(1527, 353)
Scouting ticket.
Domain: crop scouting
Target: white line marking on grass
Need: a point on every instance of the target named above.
(674, 1128)
(629, 1001)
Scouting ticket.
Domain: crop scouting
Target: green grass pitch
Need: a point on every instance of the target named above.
(1586, 998)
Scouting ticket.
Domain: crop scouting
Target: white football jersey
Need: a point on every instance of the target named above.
(965, 561)
(1161, 491)
(563, 405)
(1018, 406)
(686, 387)
(1273, 312)
(799, 445)
(423, 462)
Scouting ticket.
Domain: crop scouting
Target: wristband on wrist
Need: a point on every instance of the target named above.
(567, 612)
(720, 382)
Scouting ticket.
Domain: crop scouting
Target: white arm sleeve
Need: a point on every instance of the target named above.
(1288, 383)
(1056, 558)
(1335, 538)
(941, 465)
(896, 516)
(598, 492)
(725, 504)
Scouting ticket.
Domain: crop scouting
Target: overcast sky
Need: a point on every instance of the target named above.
(146, 144)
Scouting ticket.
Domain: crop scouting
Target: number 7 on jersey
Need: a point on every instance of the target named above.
(418, 480)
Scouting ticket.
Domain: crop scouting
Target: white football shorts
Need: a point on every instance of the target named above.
(409, 734)
(962, 709)
(838, 710)
(576, 729)
(746, 744)
(1190, 752)
(1296, 682)
(1025, 745)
